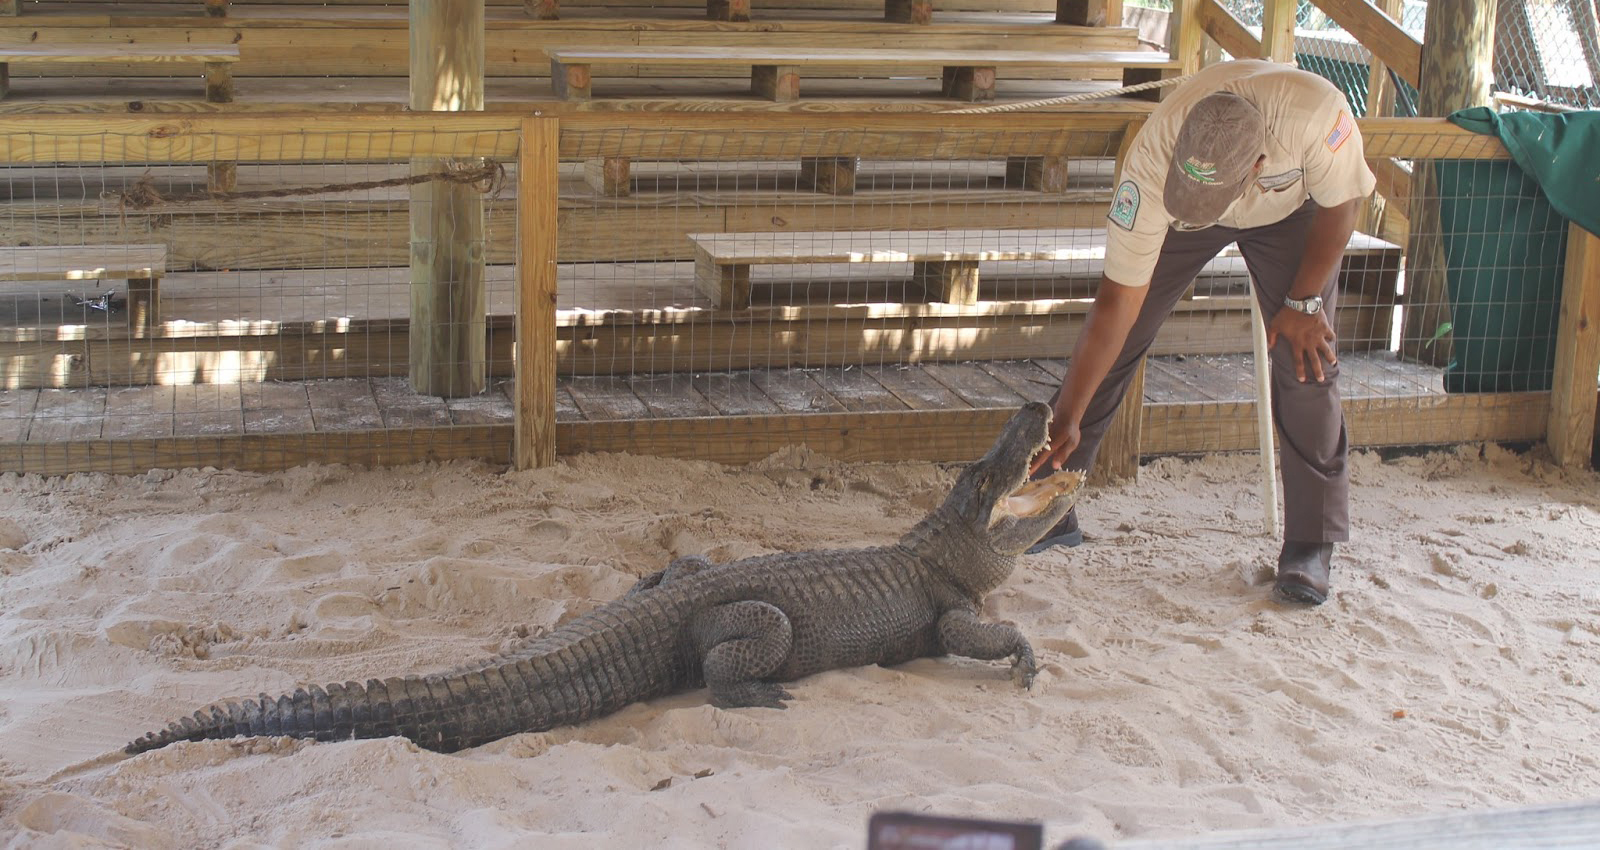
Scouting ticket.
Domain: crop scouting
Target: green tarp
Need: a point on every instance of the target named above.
(1504, 231)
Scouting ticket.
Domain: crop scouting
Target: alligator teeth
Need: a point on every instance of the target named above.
(1036, 496)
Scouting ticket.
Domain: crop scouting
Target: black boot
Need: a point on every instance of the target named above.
(1303, 572)
(1065, 534)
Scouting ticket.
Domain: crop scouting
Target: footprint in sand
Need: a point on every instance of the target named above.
(84, 822)
(308, 566)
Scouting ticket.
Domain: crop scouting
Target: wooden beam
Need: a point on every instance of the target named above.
(1228, 31)
(321, 137)
(1277, 30)
(1456, 72)
(938, 435)
(1380, 34)
(1586, 22)
(534, 394)
(449, 301)
(1572, 396)
(1185, 39)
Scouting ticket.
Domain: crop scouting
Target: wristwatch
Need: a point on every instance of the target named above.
(1310, 306)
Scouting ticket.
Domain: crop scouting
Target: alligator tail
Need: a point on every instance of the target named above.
(442, 713)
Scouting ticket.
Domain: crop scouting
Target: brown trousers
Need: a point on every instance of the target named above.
(1310, 423)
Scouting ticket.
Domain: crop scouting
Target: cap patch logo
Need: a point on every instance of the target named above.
(1200, 172)
(1343, 129)
(1125, 205)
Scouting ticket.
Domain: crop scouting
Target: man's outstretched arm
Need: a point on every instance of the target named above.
(1104, 333)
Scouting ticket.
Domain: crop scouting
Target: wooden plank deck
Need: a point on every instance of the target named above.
(363, 404)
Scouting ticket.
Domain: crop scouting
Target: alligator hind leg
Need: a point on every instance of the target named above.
(687, 565)
(962, 633)
(740, 644)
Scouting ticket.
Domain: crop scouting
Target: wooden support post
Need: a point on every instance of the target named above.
(1118, 459)
(908, 11)
(1457, 60)
(776, 82)
(1380, 104)
(449, 302)
(9, 7)
(947, 281)
(1083, 13)
(144, 305)
(1586, 22)
(543, 10)
(534, 397)
(222, 176)
(830, 175)
(1185, 39)
(728, 287)
(1226, 30)
(969, 83)
(728, 10)
(1277, 30)
(1037, 173)
(570, 82)
(219, 82)
(217, 8)
(609, 176)
(5, 79)
(1571, 432)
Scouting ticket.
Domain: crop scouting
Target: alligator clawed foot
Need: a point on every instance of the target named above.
(1023, 670)
(751, 695)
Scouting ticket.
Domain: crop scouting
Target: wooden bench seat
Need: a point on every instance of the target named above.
(142, 266)
(969, 75)
(217, 60)
(945, 262)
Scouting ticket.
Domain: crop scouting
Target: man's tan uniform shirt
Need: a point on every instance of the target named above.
(1313, 151)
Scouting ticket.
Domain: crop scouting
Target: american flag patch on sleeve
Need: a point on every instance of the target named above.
(1343, 129)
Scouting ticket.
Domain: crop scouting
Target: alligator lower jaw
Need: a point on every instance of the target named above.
(1034, 497)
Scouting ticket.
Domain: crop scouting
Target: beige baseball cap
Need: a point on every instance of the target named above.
(1217, 147)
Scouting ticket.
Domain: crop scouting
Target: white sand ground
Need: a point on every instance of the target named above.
(1456, 666)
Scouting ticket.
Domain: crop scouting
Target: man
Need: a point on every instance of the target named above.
(1267, 156)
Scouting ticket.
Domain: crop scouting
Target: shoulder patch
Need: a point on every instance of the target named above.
(1343, 129)
(1125, 205)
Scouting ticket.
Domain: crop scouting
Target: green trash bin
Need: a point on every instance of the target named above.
(1504, 248)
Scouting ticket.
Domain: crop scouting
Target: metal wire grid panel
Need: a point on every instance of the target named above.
(745, 283)
(227, 306)
(763, 274)
(1547, 50)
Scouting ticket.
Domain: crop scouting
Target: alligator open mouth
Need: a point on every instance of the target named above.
(1036, 497)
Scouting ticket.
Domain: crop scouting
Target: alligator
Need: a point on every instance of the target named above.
(739, 628)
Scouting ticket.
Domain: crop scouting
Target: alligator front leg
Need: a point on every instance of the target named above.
(962, 633)
(687, 565)
(742, 643)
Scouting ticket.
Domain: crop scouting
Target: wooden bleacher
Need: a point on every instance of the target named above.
(141, 266)
(968, 75)
(217, 60)
(945, 263)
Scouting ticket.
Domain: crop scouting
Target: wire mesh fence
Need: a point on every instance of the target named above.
(267, 293)
(721, 290)
(1545, 50)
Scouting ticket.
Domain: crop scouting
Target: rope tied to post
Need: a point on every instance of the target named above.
(1070, 98)
(488, 178)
